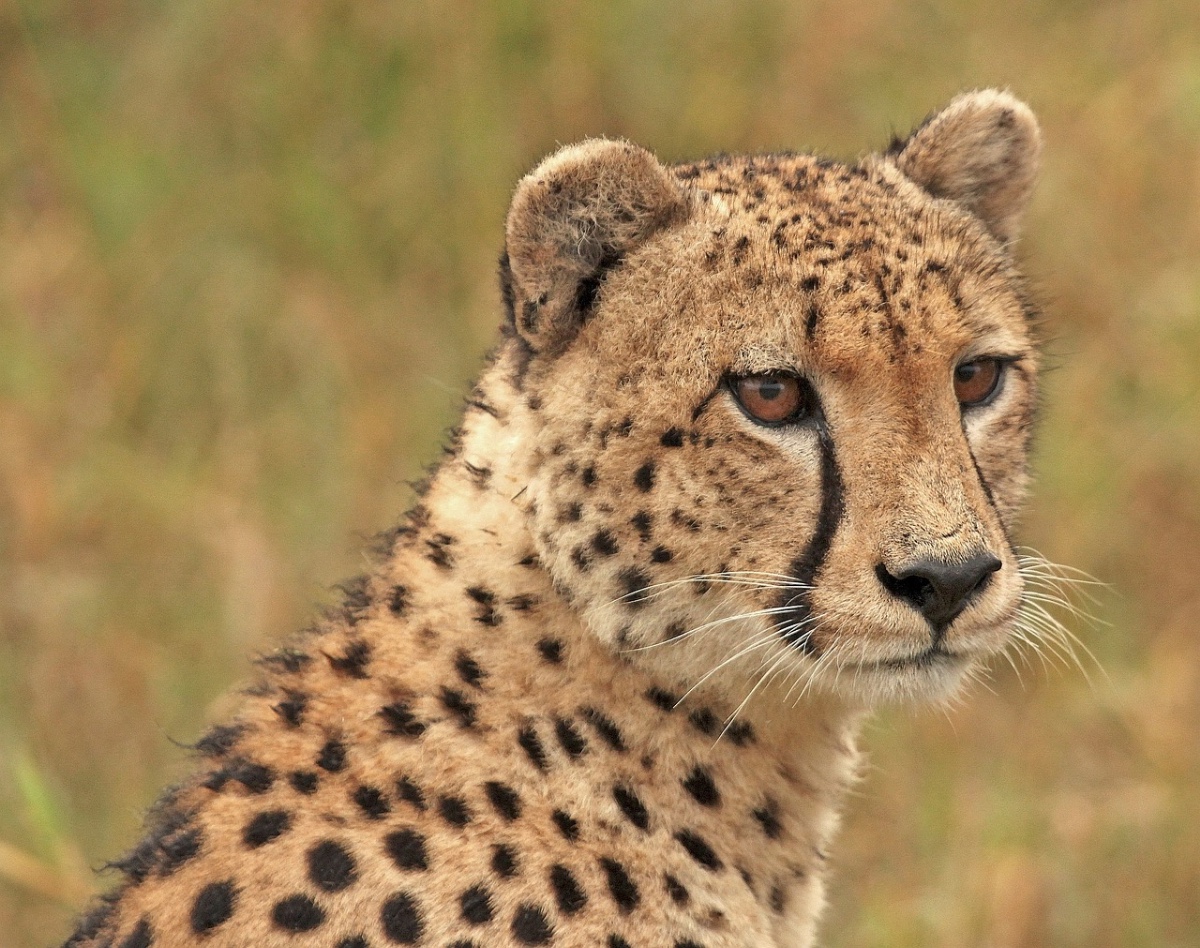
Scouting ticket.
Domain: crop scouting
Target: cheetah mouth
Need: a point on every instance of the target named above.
(934, 657)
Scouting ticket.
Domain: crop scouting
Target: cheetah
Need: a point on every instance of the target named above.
(743, 465)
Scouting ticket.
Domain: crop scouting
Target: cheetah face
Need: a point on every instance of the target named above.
(783, 405)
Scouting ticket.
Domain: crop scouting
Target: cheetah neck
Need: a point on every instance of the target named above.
(478, 590)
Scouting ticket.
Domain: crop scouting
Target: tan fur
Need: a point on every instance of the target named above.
(567, 654)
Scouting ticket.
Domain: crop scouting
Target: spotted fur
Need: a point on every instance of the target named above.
(603, 685)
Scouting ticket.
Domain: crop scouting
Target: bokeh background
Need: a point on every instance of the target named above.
(247, 257)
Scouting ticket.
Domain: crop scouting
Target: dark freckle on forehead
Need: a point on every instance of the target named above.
(642, 522)
(644, 478)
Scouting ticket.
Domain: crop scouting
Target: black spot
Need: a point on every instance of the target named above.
(437, 551)
(220, 740)
(551, 650)
(398, 600)
(454, 811)
(741, 733)
(486, 600)
(570, 738)
(297, 913)
(579, 556)
(632, 806)
(608, 731)
(676, 890)
(634, 583)
(410, 793)
(680, 519)
(661, 555)
(604, 543)
(532, 745)
(644, 477)
(213, 906)
(642, 522)
(812, 317)
(356, 598)
(672, 438)
(704, 721)
(399, 720)
(663, 699)
(266, 827)
(460, 706)
(624, 890)
(142, 936)
(354, 663)
(522, 603)
(286, 659)
(588, 476)
(462, 943)
(480, 475)
(531, 927)
(778, 899)
(504, 861)
(292, 710)
(504, 798)
(331, 867)
(372, 802)
(354, 941)
(768, 818)
(468, 670)
(407, 849)
(332, 756)
(402, 919)
(304, 781)
(699, 850)
(567, 825)
(178, 848)
(254, 777)
(699, 783)
(570, 897)
(476, 905)
(616, 941)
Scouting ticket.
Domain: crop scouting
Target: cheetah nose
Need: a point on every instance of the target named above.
(939, 589)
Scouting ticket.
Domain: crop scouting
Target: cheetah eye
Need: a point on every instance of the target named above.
(773, 398)
(976, 382)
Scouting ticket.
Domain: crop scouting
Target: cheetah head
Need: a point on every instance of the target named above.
(781, 405)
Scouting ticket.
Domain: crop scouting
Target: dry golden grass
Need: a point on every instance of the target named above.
(246, 266)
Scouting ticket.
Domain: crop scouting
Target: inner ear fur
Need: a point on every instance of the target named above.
(982, 151)
(572, 220)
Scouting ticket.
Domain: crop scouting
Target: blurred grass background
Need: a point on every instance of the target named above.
(247, 260)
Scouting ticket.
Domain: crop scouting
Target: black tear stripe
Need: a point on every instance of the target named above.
(806, 567)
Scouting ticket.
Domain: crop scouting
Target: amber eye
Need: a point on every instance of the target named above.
(773, 398)
(976, 382)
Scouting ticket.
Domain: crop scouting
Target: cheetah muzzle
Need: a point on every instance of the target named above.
(745, 462)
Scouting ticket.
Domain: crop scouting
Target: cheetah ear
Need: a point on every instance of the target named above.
(982, 151)
(572, 220)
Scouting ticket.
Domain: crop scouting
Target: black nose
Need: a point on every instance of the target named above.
(937, 589)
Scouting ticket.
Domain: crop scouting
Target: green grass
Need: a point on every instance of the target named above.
(247, 262)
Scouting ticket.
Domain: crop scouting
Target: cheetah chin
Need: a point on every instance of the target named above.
(745, 462)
